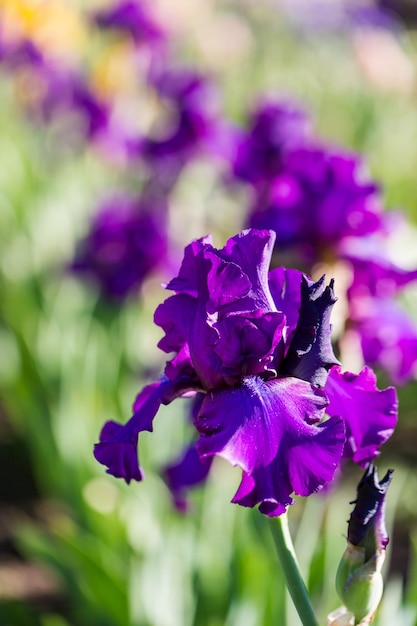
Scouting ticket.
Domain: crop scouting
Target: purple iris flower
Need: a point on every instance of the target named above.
(192, 125)
(319, 197)
(58, 90)
(273, 128)
(133, 17)
(387, 334)
(67, 93)
(127, 242)
(256, 346)
(326, 210)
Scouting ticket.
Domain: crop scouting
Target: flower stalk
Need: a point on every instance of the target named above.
(289, 564)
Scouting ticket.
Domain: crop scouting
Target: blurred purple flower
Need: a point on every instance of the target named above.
(20, 53)
(192, 126)
(67, 93)
(319, 198)
(54, 92)
(325, 210)
(133, 17)
(257, 345)
(273, 128)
(387, 335)
(188, 471)
(127, 241)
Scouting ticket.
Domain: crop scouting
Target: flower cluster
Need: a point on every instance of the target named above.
(326, 211)
(128, 237)
(253, 346)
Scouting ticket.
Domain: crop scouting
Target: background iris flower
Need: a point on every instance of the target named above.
(328, 215)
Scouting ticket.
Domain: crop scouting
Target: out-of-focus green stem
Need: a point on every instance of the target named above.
(294, 580)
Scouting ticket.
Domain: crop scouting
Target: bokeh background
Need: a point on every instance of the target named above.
(78, 547)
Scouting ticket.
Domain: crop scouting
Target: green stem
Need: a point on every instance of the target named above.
(294, 580)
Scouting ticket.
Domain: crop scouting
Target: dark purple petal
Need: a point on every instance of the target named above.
(272, 431)
(175, 316)
(248, 345)
(181, 365)
(251, 250)
(370, 414)
(186, 472)
(187, 280)
(311, 355)
(285, 287)
(117, 448)
(226, 283)
(118, 452)
(367, 521)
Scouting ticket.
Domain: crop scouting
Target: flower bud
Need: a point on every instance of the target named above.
(359, 581)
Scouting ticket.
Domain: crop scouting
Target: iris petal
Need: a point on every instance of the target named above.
(117, 448)
(370, 414)
(189, 470)
(272, 431)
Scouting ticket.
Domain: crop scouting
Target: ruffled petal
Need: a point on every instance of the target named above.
(251, 250)
(311, 353)
(118, 452)
(285, 287)
(117, 448)
(187, 280)
(175, 316)
(370, 414)
(248, 345)
(272, 431)
(226, 283)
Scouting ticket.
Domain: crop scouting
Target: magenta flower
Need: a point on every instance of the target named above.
(256, 345)
(127, 241)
